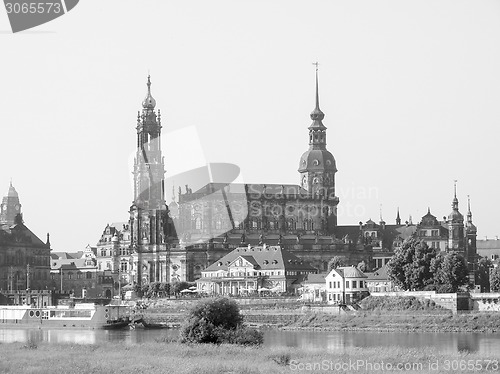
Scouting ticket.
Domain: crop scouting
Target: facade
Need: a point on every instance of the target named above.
(314, 288)
(24, 258)
(251, 270)
(379, 281)
(345, 285)
(179, 241)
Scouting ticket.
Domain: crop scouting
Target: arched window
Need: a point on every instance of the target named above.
(218, 223)
(197, 223)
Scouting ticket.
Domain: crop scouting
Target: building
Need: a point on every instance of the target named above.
(345, 285)
(314, 288)
(250, 270)
(489, 248)
(24, 258)
(178, 242)
(379, 281)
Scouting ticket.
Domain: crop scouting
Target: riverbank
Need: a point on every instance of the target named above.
(417, 321)
(289, 317)
(167, 357)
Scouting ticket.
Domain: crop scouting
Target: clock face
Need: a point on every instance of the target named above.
(16, 207)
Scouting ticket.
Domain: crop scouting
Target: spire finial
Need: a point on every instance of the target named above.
(173, 193)
(317, 92)
(428, 210)
(149, 84)
(317, 114)
(468, 202)
(455, 187)
(380, 209)
(398, 218)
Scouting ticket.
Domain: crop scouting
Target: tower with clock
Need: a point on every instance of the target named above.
(10, 207)
(148, 213)
(317, 165)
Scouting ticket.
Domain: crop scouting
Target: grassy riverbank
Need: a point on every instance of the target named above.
(416, 321)
(208, 359)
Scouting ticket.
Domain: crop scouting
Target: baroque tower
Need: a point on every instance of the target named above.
(10, 207)
(317, 166)
(148, 213)
(471, 236)
(455, 226)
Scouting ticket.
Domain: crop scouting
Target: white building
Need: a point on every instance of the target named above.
(345, 285)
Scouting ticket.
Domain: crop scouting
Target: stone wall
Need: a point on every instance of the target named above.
(451, 301)
(485, 302)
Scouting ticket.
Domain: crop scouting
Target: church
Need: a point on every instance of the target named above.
(176, 242)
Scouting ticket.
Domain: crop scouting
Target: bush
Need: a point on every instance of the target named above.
(218, 321)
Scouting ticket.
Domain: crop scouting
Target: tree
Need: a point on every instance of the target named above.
(336, 262)
(450, 271)
(218, 321)
(362, 266)
(178, 287)
(410, 267)
(495, 279)
(483, 273)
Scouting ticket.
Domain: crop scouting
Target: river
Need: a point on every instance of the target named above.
(487, 344)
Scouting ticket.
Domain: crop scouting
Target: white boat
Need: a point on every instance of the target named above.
(84, 315)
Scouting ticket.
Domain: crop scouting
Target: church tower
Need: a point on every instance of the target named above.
(471, 236)
(455, 226)
(317, 166)
(148, 213)
(10, 207)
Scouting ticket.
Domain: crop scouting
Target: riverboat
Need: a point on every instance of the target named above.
(84, 315)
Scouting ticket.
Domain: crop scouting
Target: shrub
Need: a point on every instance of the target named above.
(218, 321)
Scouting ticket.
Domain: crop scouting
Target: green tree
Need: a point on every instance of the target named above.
(336, 262)
(218, 321)
(482, 276)
(495, 279)
(410, 266)
(450, 272)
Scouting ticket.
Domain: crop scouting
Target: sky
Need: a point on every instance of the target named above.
(410, 92)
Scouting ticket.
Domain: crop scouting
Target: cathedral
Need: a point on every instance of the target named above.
(175, 242)
(24, 258)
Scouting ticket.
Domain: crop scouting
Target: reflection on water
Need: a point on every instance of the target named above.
(310, 340)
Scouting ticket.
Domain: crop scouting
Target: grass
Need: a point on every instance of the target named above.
(411, 321)
(210, 359)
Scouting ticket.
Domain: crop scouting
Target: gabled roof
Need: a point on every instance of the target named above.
(380, 274)
(250, 188)
(349, 272)
(265, 257)
(315, 278)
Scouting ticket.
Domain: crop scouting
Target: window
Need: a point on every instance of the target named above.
(347, 284)
(354, 284)
(330, 284)
(89, 275)
(360, 284)
(197, 223)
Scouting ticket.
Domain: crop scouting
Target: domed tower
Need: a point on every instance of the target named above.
(148, 213)
(455, 226)
(317, 166)
(10, 207)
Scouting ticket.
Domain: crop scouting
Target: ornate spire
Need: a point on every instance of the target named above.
(398, 218)
(454, 204)
(469, 213)
(317, 114)
(149, 102)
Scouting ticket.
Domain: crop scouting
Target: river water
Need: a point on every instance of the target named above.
(488, 344)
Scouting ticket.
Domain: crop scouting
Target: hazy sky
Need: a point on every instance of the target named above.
(410, 89)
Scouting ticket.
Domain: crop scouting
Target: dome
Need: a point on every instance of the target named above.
(317, 159)
(149, 102)
(455, 215)
(317, 114)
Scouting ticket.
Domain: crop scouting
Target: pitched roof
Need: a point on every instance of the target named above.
(380, 274)
(264, 258)
(315, 278)
(250, 188)
(349, 272)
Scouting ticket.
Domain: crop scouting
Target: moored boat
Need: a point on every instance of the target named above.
(84, 315)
